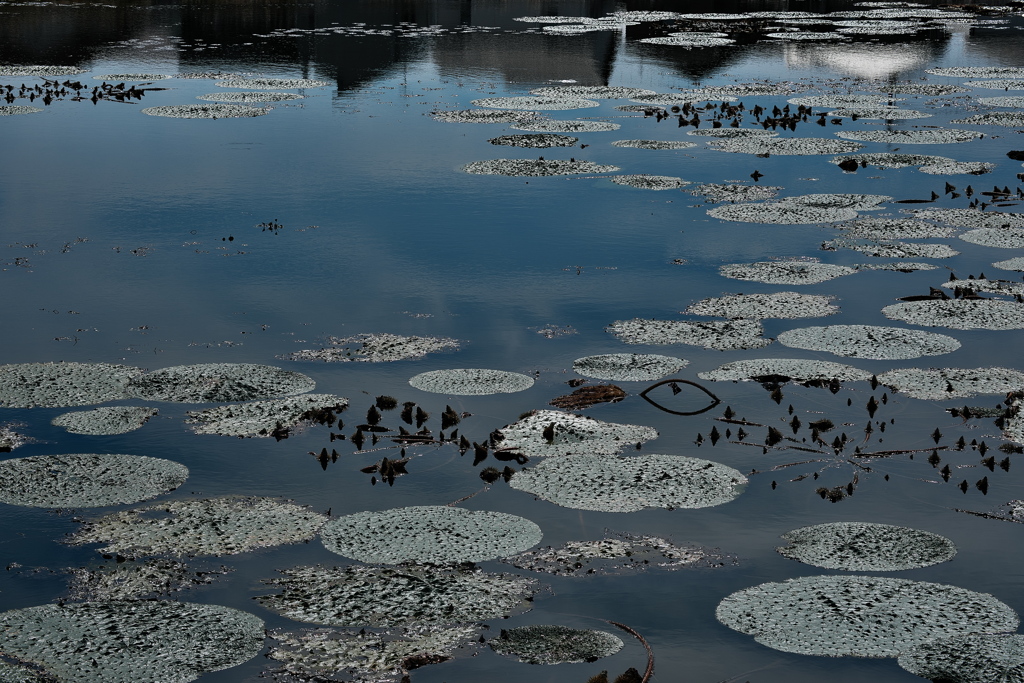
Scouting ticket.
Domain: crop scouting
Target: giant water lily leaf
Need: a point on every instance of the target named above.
(782, 213)
(973, 218)
(535, 140)
(785, 369)
(926, 136)
(784, 146)
(761, 306)
(894, 229)
(471, 382)
(410, 595)
(716, 193)
(536, 102)
(870, 341)
(936, 384)
(155, 577)
(970, 658)
(87, 479)
(1001, 238)
(272, 83)
(536, 167)
(861, 616)
(616, 484)
(714, 334)
(628, 367)
(374, 348)
(892, 159)
(204, 526)
(857, 202)
(866, 547)
(102, 421)
(785, 272)
(219, 382)
(58, 385)
(649, 182)
(553, 644)
(432, 534)
(101, 642)
(206, 111)
(545, 433)
(960, 314)
(485, 116)
(274, 417)
(891, 249)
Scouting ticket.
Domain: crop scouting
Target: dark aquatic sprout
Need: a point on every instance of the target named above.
(781, 213)
(46, 71)
(673, 384)
(891, 248)
(762, 306)
(101, 642)
(218, 382)
(485, 116)
(432, 534)
(87, 479)
(978, 71)
(201, 526)
(714, 334)
(936, 384)
(536, 167)
(892, 160)
(960, 314)
(264, 419)
(375, 348)
(628, 367)
(151, 578)
(471, 382)
(1000, 238)
(553, 644)
(590, 91)
(533, 103)
(17, 109)
(924, 136)
(654, 144)
(59, 385)
(870, 341)
(589, 396)
(866, 547)
(805, 272)
(649, 182)
(969, 658)
(547, 433)
(535, 140)
(800, 371)
(716, 193)
(205, 111)
(630, 484)
(958, 168)
(784, 146)
(272, 83)
(104, 421)
(555, 126)
(860, 616)
(410, 595)
(249, 97)
(894, 229)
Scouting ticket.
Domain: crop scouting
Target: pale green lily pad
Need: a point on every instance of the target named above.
(689, 40)
(1014, 101)
(649, 182)
(1011, 119)
(610, 92)
(716, 193)
(552, 644)
(972, 218)
(205, 111)
(114, 78)
(1015, 263)
(839, 101)
(806, 35)
(547, 433)
(535, 103)
(17, 109)
(471, 382)
(891, 248)
(137, 580)
(654, 144)
(733, 133)
(714, 334)
(375, 348)
(411, 595)
(960, 314)
(42, 71)
(870, 341)
(272, 83)
(985, 285)
(866, 547)
(628, 367)
(893, 159)
(784, 146)
(937, 384)
(958, 168)
(567, 126)
(116, 641)
(16, 673)
(857, 202)
(781, 213)
(535, 140)
(485, 116)
(998, 84)
(924, 136)
(59, 385)
(202, 526)
(103, 421)
(87, 479)
(969, 658)
(761, 306)
(894, 229)
(978, 71)
(785, 272)
(250, 97)
(861, 616)
(433, 534)
(218, 382)
(264, 418)
(536, 167)
(1000, 238)
(796, 370)
(927, 89)
(617, 484)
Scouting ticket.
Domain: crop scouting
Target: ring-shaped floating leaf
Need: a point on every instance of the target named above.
(937, 384)
(785, 272)
(536, 167)
(535, 103)
(60, 385)
(866, 547)
(272, 83)
(926, 136)
(273, 417)
(218, 382)
(471, 382)
(649, 182)
(535, 140)
(206, 111)
(628, 367)
(552, 644)
(781, 213)
(432, 534)
(137, 640)
(760, 306)
(104, 421)
(555, 126)
(859, 616)
(617, 484)
(794, 370)
(206, 526)
(411, 595)
(960, 314)
(870, 341)
(710, 334)
(674, 384)
(546, 433)
(87, 479)
(970, 658)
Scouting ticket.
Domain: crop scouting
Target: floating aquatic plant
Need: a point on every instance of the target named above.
(716, 193)
(1015, 263)
(974, 657)
(972, 218)
(840, 101)
(203, 526)
(205, 111)
(958, 168)
(857, 202)
(689, 40)
(866, 547)
(960, 314)
(862, 616)
(17, 109)
(59, 385)
(985, 285)
(536, 167)
(994, 118)
(616, 484)
(102, 421)
(761, 306)
(484, 116)
(785, 272)
(806, 35)
(46, 71)
(784, 146)
(1001, 238)
(535, 103)
(628, 367)
(131, 77)
(734, 133)
(721, 335)
(411, 595)
(925, 136)
(884, 113)
(545, 433)
(610, 92)
(978, 71)
(375, 348)
(138, 640)
(893, 228)
(87, 479)
(566, 126)
(247, 97)
(649, 182)
(576, 29)
(1016, 101)
(272, 417)
(893, 159)
(901, 266)
(10, 438)
(927, 89)
(137, 580)
(654, 144)
(552, 644)
(471, 382)
(782, 213)
(785, 369)
(535, 140)
(218, 382)
(870, 341)
(675, 98)
(891, 248)
(1010, 511)
(271, 83)
(433, 534)
(937, 384)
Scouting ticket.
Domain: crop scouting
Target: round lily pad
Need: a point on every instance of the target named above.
(870, 341)
(567, 126)
(536, 167)
(784, 146)
(114, 78)
(203, 526)
(535, 140)
(785, 272)
(862, 616)
(649, 182)
(714, 334)
(857, 202)
(998, 84)
(960, 314)
(137, 640)
(612, 92)
(716, 193)
(551, 644)
(936, 384)
(994, 118)
(924, 136)
(535, 103)
(628, 367)
(958, 168)
(616, 484)
(985, 285)
(110, 420)
(429, 533)
(264, 418)
(358, 595)
(375, 348)
(866, 547)
(689, 40)
(781, 213)
(42, 71)
(796, 370)
(545, 433)
(218, 382)
(87, 479)
(249, 97)
(484, 116)
(205, 111)
(886, 113)
(894, 228)
(471, 382)
(927, 89)
(969, 658)
(1000, 238)
(17, 109)
(839, 101)
(1015, 263)
(891, 248)
(733, 133)
(272, 83)
(978, 71)
(973, 218)
(761, 306)
(1014, 101)
(893, 159)
(58, 385)
(806, 35)
(654, 144)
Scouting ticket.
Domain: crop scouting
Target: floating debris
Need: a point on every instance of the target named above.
(994, 118)
(715, 193)
(610, 92)
(784, 146)
(536, 167)
(733, 133)
(375, 348)
(589, 396)
(246, 97)
(60, 385)
(136, 640)
(1010, 511)
(433, 534)
(272, 83)
(979, 71)
(893, 160)
(689, 40)
(810, 615)
(551, 644)
(218, 382)
(40, 71)
(1000, 238)
(87, 479)
(805, 372)
(615, 484)
(535, 140)
(926, 136)
(411, 595)
(937, 384)
(721, 335)
(761, 306)
(649, 182)
(535, 103)
(203, 526)
(959, 168)
(782, 213)
(654, 144)
(547, 433)
(17, 109)
(138, 580)
(628, 367)
(894, 228)
(972, 218)
(205, 111)
(105, 421)
(485, 116)
(960, 314)
(471, 382)
(978, 657)
(870, 341)
(866, 547)
(567, 126)
(891, 249)
(785, 272)
(273, 417)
